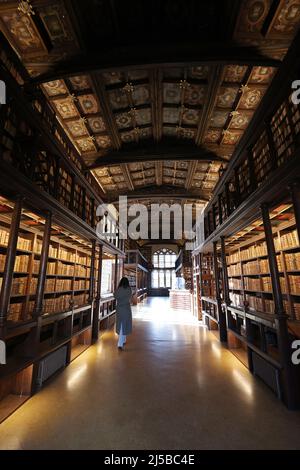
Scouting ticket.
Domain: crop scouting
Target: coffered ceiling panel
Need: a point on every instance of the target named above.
(125, 81)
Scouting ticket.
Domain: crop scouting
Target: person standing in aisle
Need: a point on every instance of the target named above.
(124, 315)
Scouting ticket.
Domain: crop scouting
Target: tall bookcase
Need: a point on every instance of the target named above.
(212, 291)
(63, 324)
(256, 328)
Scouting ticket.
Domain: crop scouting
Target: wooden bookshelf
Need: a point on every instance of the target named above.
(248, 266)
(15, 389)
(66, 300)
(80, 343)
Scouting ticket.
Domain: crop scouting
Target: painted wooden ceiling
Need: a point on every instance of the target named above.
(99, 64)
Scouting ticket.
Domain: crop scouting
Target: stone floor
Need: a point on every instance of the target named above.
(173, 387)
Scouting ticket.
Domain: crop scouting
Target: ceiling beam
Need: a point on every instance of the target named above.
(127, 176)
(154, 153)
(178, 54)
(190, 174)
(159, 173)
(108, 117)
(214, 86)
(156, 103)
(164, 192)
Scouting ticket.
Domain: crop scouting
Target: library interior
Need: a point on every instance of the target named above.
(171, 104)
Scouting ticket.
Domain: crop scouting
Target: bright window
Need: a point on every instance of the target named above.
(163, 274)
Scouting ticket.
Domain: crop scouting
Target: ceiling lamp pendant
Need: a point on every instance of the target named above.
(128, 88)
(244, 88)
(183, 84)
(25, 8)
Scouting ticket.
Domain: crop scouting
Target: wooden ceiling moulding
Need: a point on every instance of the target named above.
(160, 152)
(210, 54)
(128, 177)
(190, 174)
(158, 173)
(214, 85)
(107, 113)
(156, 103)
(164, 192)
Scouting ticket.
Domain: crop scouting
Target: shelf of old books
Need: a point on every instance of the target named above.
(248, 266)
(250, 314)
(68, 269)
(26, 266)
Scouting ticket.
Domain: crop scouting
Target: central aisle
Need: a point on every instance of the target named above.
(173, 387)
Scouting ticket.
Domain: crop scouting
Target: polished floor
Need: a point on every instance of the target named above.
(173, 387)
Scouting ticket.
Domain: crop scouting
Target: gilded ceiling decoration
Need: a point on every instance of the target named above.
(113, 110)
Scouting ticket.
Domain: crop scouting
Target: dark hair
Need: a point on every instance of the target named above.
(124, 283)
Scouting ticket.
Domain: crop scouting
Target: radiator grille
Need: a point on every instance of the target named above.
(51, 364)
(267, 372)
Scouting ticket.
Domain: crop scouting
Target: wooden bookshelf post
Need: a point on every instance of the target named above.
(221, 314)
(92, 272)
(225, 272)
(96, 310)
(9, 264)
(38, 308)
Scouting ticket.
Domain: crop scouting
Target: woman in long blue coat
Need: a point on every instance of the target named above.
(124, 315)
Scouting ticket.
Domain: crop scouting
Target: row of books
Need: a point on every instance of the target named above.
(38, 246)
(15, 312)
(297, 311)
(287, 240)
(80, 284)
(61, 269)
(253, 251)
(4, 236)
(24, 243)
(294, 284)
(234, 270)
(51, 268)
(251, 283)
(254, 303)
(80, 300)
(235, 284)
(292, 261)
(2, 262)
(256, 267)
(21, 263)
(57, 304)
(19, 286)
(261, 266)
(36, 266)
(236, 299)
